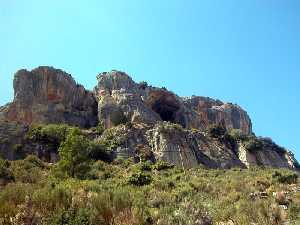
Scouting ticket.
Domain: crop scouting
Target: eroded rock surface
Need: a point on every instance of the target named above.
(119, 95)
(140, 120)
(48, 95)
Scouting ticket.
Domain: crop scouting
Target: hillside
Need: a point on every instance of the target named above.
(139, 118)
(123, 193)
(128, 153)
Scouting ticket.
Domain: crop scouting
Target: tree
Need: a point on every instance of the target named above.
(74, 155)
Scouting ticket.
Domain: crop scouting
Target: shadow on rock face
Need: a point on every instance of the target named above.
(167, 106)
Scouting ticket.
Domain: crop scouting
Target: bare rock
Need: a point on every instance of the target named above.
(119, 95)
(48, 95)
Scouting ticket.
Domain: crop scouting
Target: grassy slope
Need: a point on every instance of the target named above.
(125, 193)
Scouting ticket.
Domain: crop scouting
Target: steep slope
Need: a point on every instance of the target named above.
(140, 120)
(48, 95)
(117, 92)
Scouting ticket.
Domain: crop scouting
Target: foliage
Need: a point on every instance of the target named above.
(216, 131)
(140, 178)
(253, 144)
(100, 128)
(74, 155)
(97, 151)
(162, 165)
(5, 171)
(52, 134)
(110, 139)
(237, 135)
(28, 170)
(146, 193)
(290, 178)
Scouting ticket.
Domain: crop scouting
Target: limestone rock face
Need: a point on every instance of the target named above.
(48, 95)
(120, 98)
(185, 148)
(188, 149)
(268, 158)
(119, 95)
(143, 121)
(212, 111)
(14, 143)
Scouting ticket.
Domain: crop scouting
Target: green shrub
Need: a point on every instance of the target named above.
(15, 193)
(100, 128)
(28, 170)
(5, 171)
(74, 155)
(162, 165)
(98, 151)
(145, 166)
(140, 179)
(110, 139)
(216, 131)
(50, 199)
(71, 217)
(237, 135)
(285, 178)
(52, 134)
(253, 144)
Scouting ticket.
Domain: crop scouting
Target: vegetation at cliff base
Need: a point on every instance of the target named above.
(94, 192)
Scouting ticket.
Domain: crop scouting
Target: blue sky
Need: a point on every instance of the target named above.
(245, 52)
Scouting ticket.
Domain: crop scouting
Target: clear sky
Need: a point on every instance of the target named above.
(245, 52)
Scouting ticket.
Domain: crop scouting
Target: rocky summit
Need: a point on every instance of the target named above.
(140, 120)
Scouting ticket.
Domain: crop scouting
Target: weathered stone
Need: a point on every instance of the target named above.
(267, 157)
(15, 145)
(210, 111)
(118, 94)
(48, 95)
(146, 122)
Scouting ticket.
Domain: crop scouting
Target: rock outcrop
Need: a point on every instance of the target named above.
(119, 96)
(48, 95)
(140, 120)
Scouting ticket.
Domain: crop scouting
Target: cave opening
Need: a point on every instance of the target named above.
(166, 110)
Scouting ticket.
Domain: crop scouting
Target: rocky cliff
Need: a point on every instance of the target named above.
(118, 94)
(48, 95)
(144, 121)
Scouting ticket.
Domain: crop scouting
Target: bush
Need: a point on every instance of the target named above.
(100, 128)
(140, 179)
(286, 178)
(253, 144)
(74, 155)
(237, 135)
(99, 152)
(50, 199)
(162, 165)
(71, 217)
(28, 170)
(52, 134)
(110, 139)
(5, 172)
(145, 166)
(216, 131)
